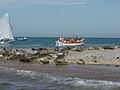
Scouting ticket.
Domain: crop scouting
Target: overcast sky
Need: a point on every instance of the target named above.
(86, 18)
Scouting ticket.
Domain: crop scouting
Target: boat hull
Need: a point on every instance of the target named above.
(7, 41)
(22, 39)
(62, 44)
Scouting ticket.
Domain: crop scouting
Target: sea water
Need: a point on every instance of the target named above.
(13, 79)
(45, 42)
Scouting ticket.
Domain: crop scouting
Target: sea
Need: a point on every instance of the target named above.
(15, 79)
(49, 42)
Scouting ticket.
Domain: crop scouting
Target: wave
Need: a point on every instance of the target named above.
(86, 84)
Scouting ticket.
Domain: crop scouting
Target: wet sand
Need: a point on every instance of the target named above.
(98, 72)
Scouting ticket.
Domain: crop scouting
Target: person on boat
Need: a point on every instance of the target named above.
(62, 39)
(72, 40)
(78, 39)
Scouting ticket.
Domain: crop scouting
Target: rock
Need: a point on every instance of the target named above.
(53, 55)
(94, 57)
(1, 55)
(100, 48)
(80, 61)
(28, 59)
(5, 53)
(95, 61)
(60, 62)
(96, 48)
(47, 52)
(38, 49)
(79, 50)
(44, 61)
(109, 47)
(61, 50)
(116, 65)
(107, 64)
(29, 52)
(60, 56)
(74, 49)
(100, 56)
(91, 48)
(85, 48)
(15, 57)
(42, 49)
(117, 57)
(116, 47)
(25, 59)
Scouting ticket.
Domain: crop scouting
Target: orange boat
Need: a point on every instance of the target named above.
(72, 42)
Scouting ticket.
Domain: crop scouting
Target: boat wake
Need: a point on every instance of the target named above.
(45, 81)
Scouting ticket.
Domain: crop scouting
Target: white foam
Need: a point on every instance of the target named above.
(93, 83)
(74, 82)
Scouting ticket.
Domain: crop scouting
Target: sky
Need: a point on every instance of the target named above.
(51, 18)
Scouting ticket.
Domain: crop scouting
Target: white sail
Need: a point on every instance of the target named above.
(5, 28)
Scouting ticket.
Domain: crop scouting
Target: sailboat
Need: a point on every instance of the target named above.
(6, 35)
(22, 38)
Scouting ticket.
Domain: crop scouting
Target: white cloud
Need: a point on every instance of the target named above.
(12, 3)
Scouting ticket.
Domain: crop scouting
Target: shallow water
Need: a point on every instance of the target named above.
(13, 79)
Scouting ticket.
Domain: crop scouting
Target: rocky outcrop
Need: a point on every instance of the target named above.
(63, 56)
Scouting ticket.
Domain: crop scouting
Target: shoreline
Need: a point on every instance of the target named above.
(92, 72)
(100, 63)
